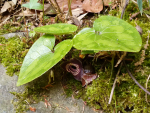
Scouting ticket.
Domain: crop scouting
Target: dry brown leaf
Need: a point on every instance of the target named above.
(63, 4)
(48, 9)
(77, 20)
(76, 12)
(7, 5)
(107, 2)
(4, 20)
(94, 6)
(27, 12)
(15, 1)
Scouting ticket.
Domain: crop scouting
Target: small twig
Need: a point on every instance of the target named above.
(69, 7)
(121, 58)
(135, 79)
(27, 102)
(36, 15)
(127, 1)
(114, 84)
(146, 88)
(135, 14)
(112, 90)
(43, 12)
(5, 21)
(112, 68)
(58, 10)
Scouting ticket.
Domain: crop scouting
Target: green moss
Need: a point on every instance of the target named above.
(33, 94)
(9, 28)
(12, 53)
(21, 105)
(71, 86)
(97, 94)
(126, 95)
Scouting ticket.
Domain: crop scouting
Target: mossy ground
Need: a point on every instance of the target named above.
(128, 97)
(13, 51)
(34, 92)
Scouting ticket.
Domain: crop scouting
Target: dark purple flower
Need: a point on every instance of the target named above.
(85, 75)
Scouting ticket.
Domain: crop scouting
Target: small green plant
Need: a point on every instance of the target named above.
(33, 5)
(139, 2)
(108, 34)
(140, 5)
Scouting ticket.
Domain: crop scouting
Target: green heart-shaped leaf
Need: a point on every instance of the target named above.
(41, 57)
(109, 34)
(33, 5)
(57, 29)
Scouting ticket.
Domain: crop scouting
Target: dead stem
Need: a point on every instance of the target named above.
(69, 7)
(146, 88)
(127, 1)
(58, 10)
(114, 84)
(121, 58)
(135, 79)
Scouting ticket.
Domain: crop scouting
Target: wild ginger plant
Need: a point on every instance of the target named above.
(108, 34)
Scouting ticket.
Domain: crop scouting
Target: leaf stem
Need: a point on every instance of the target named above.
(58, 10)
(135, 79)
(43, 11)
(69, 7)
(112, 68)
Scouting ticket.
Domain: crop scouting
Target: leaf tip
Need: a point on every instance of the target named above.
(18, 84)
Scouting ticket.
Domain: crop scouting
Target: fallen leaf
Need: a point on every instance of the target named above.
(82, 16)
(108, 2)
(14, 1)
(94, 6)
(7, 5)
(27, 12)
(77, 20)
(48, 9)
(4, 20)
(76, 12)
(63, 4)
